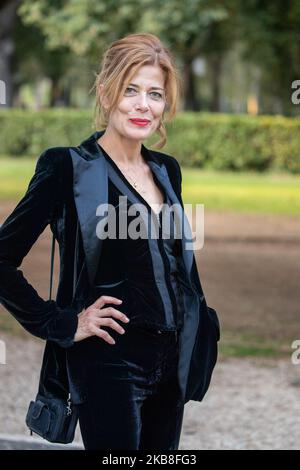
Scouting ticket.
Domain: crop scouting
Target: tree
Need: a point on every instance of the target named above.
(272, 41)
(191, 28)
(196, 28)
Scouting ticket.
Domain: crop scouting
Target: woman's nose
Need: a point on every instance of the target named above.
(142, 101)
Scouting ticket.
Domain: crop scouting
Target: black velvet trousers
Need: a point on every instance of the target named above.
(133, 399)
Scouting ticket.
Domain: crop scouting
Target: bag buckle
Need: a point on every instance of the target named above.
(69, 409)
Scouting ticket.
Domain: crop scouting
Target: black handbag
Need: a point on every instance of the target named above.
(54, 418)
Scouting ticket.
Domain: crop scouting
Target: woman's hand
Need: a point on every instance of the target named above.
(92, 318)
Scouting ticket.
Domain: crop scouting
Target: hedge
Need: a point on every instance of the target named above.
(203, 140)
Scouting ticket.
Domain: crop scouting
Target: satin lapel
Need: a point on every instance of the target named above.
(161, 173)
(90, 187)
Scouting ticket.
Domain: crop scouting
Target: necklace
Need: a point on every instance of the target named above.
(134, 182)
(135, 185)
(143, 191)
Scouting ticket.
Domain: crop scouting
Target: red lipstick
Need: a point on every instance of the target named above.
(140, 122)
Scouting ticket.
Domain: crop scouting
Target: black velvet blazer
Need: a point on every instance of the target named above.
(67, 186)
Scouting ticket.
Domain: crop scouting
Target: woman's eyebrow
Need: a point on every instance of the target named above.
(152, 88)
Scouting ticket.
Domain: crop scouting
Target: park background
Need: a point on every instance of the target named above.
(236, 136)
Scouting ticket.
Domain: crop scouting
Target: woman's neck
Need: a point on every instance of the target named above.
(123, 151)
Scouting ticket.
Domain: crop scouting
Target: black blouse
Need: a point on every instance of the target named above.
(146, 283)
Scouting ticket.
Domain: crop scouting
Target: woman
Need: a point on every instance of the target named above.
(130, 334)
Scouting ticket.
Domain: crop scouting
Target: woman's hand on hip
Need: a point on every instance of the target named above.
(91, 319)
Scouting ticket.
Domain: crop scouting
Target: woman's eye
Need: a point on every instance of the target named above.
(155, 93)
(129, 88)
(158, 95)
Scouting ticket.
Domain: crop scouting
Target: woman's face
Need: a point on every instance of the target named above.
(143, 98)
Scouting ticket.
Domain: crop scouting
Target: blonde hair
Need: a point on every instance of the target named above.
(119, 64)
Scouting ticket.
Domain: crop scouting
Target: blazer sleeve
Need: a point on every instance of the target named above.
(42, 318)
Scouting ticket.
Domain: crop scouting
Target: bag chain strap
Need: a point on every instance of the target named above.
(69, 409)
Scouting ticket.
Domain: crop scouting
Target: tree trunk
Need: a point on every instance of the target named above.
(8, 10)
(215, 64)
(191, 101)
(55, 93)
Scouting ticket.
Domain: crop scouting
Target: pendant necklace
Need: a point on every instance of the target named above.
(136, 186)
(134, 182)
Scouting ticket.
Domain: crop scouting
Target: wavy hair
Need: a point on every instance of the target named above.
(119, 64)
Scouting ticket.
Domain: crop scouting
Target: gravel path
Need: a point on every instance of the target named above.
(251, 404)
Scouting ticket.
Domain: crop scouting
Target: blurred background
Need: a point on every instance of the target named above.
(237, 139)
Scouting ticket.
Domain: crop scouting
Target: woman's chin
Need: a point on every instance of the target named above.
(138, 134)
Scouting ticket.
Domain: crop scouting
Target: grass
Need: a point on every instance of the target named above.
(269, 193)
(10, 326)
(15, 174)
(238, 344)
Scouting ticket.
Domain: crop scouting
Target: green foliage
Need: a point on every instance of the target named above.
(235, 142)
(265, 36)
(270, 35)
(28, 133)
(201, 140)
